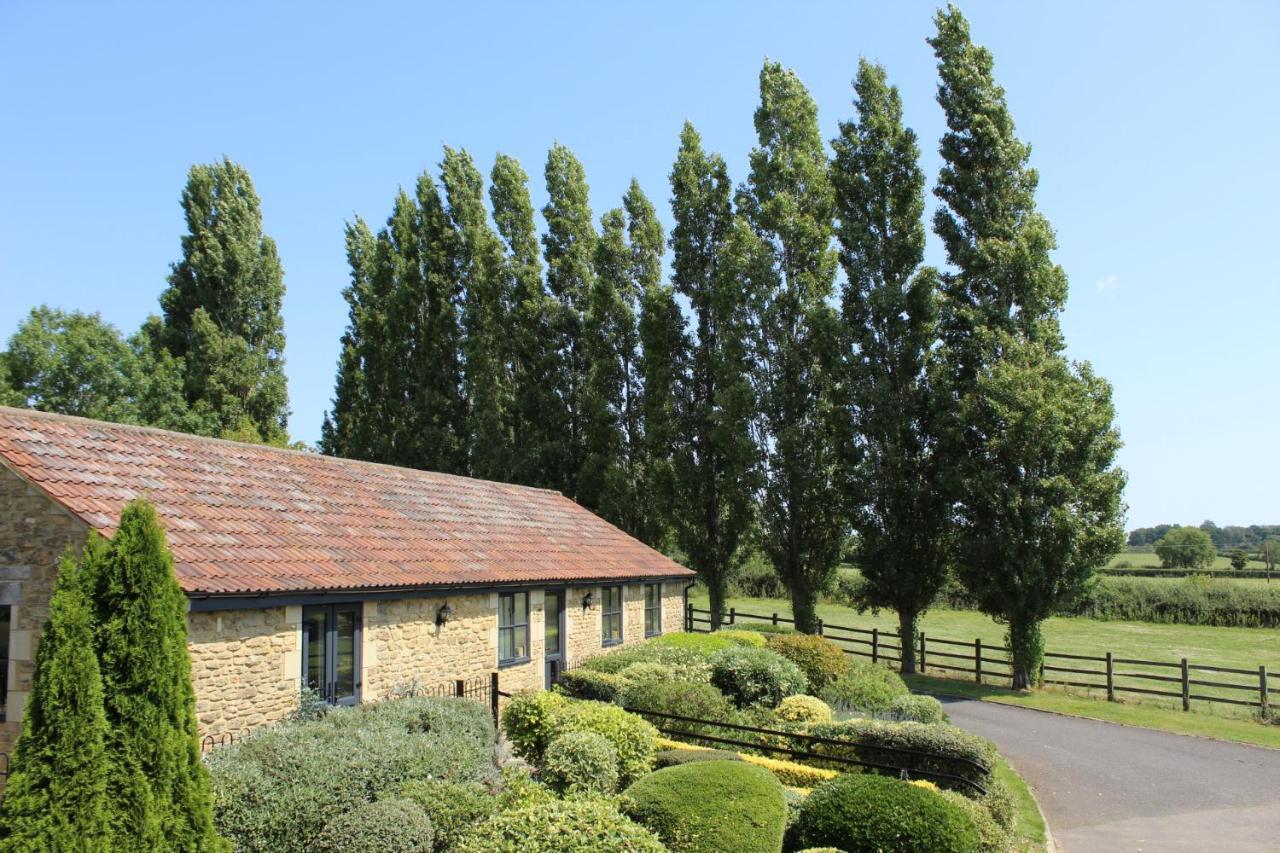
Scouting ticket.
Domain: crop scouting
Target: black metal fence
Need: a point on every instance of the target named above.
(1105, 674)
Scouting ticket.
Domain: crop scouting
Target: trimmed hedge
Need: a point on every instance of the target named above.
(751, 676)
(583, 825)
(790, 773)
(866, 688)
(452, 807)
(992, 837)
(711, 806)
(533, 720)
(878, 814)
(581, 763)
(952, 747)
(821, 660)
(686, 698)
(688, 755)
(387, 826)
(586, 683)
(709, 644)
(768, 628)
(684, 663)
(916, 709)
(804, 709)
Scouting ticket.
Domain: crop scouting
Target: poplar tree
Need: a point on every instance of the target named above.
(788, 201)
(486, 300)
(158, 787)
(56, 793)
(539, 420)
(569, 247)
(349, 427)
(716, 468)
(898, 501)
(221, 309)
(1037, 493)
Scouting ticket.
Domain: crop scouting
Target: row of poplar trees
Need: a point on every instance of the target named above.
(930, 412)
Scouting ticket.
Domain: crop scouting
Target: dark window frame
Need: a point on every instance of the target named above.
(5, 624)
(528, 636)
(329, 652)
(607, 616)
(653, 611)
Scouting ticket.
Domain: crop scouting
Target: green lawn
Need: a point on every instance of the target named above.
(1149, 560)
(1028, 828)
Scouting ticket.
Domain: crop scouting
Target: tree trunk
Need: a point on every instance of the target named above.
(1026, 649)
(907, 640)
(716, 592)
(804, 609)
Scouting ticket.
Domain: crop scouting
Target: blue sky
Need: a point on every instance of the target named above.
(1153, 125)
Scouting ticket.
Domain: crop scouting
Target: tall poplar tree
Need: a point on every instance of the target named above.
(788, 200)
(569, 246)
(539, 419)
(1038, 496)
(716, 463)
(898, 500)
(350, 428)
(222, 309)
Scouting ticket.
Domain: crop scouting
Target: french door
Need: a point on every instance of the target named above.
(331, 652)
(553, 648)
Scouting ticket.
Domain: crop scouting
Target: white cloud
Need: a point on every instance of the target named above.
(1111, 282)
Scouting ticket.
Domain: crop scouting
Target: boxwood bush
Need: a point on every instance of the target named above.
(532, 720)
(878, 814)
(709, 644)
(711, 806)
(992, 837)
(452, 807)
(686, 698)
(583, 683)
(671, 757)
(952, 747)
(579, 825)
(684, 663)
(821, 660)
(804, 709)
(867, 688)
(386, 826)
(751, 676)
(581, 763)
(915, 709)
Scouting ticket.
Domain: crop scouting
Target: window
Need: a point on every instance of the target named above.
(513, 627)
(611, 618)
(331, 652)
(5, 613)
(652, 609)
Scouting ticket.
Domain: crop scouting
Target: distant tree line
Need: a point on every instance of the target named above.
(1231, 536)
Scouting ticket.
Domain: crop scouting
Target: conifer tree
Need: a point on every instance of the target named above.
(788, 200)
(569, 247)
(716, 266)
(350, 428)
(222, 309)
(56, 792)
(1037, 493)
(158, 787)
(539, 419)
(898, 501)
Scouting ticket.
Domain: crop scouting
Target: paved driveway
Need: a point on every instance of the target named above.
(1107, 787)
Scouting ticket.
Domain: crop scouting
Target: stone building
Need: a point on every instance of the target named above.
(350, 578)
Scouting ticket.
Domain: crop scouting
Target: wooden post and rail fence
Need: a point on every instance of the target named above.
(1108, 674)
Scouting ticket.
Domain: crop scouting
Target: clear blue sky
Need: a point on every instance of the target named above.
(1153, 124)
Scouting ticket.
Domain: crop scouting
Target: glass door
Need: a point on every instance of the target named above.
(331, 652)
(553, 616)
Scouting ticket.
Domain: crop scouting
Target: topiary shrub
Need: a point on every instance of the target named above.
(821, 660)
(452, 807)
(952, 749)
(992, 837)
(583, 825)
(769, 628)
(867, 688)
(387, 826)
(581, 763)
(804, 709)
(686, 698)
(532, 720)
(742, 636)
(589, 684)
(647, 671)
(711, 806)
(672, 757)
(790, 773)
(915, 709)
(709, 644)
(685, 663)
(751, 676)
(878, 814)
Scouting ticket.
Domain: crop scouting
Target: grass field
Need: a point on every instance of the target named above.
(1149, 560)
(1028, 827)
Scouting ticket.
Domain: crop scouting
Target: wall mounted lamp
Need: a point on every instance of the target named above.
(444, 614)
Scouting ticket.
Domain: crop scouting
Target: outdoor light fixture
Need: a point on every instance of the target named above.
(587, 599)
(444, 614)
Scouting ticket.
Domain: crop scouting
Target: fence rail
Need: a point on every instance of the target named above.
(1059, 668)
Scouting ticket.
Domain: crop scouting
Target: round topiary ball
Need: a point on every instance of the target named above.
(581, 762)
(879, 814)
(386, 826)
(821, 660)
(804, 709)
(752, 676)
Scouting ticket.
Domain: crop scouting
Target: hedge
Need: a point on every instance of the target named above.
(686, 698)
(584, 683)
(878, 814)
(687, 755)
(387, 826)
(953, 747)
(711, 806)
(709, 644)
(581, 762)
(452, 807)
(916, 709)
(992, 837)
(581, 825)
(751, 676)
(789, 773)
(867, 688)
(804, 709)
(532, 720)
(821, 660)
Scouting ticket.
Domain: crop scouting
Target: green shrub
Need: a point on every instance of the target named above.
(756, 578)
(671, 757)
(708, 644)
(751, 676)
(878, 814)
(581, 763)
(589, 684)
(519, 790)
(277, 790)
(804, 709)
(992, 837)
(387, 826)
(452, 807)
(867, 688)
(768, 628)
(999, 802)
(582, 825)
(685, 663)
(686, 698)
(916, 709)
(952, 748)
(821, 660)
(532, 720)
(711, 806)
(1195, 600)
(647, 672)
(528, 720)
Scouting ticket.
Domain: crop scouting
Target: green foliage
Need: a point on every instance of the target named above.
(866, 688)
(56, 797)
(1239, 559)
(393, 825)
(751, 676)
(992, 837)
(671, 757)
(584, 683)
(277, 790)
(1186, 548)
(452, 807)
(581, 762)
(708, 644)
(877, 814)
(533, 720)
(685, 664)
(586, 825)
(952, 748)
(686, 698)
(528, 721)
(804, 709)
(756, 578)
(643, 671)
(767, 628)
(711, 806)
(821, 660)
(915, 709)
(1194, 600)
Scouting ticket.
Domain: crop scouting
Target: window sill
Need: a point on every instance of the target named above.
(503, 664)
(649, 634)
(607, 643)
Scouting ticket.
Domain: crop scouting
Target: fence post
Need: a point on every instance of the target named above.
(1186, 686)
(1262, 691)
(688, 616)
(775, 620)
(1111, 678)
(922, 650)
(459, 688)
(493, 698)
(819, 627)
(733, 615)
(977, 659)
(875, 645)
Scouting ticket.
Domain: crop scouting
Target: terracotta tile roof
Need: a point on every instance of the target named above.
(248, 519)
